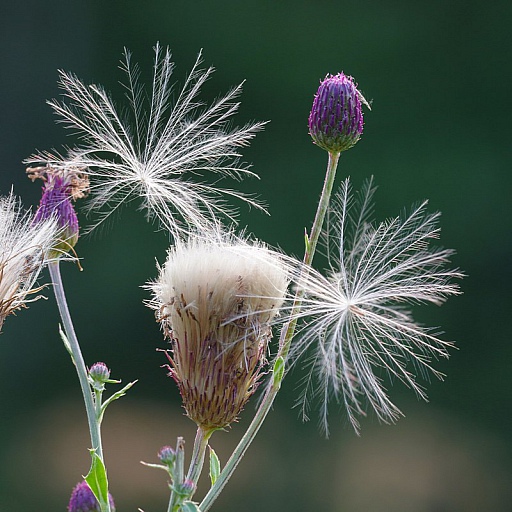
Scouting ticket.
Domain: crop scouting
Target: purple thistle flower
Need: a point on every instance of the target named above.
(83, 500)
(60, 187)
(336, 118)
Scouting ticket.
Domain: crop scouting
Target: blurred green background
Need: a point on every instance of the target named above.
(438, 73)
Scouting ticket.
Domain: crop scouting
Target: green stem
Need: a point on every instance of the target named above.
(179, 473)
(92, 418)
(197, 461)
(284, 343)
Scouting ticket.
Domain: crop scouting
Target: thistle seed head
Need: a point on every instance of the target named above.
(216, 302)
(336, 118)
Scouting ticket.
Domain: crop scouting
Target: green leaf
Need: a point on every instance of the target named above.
(214, 466)
(115, 396)
(278, 371)
(189, 506)
(307, 244)
(97, 480)
(67, 345)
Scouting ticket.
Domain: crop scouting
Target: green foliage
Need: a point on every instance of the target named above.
(214, 466)
(97, 480)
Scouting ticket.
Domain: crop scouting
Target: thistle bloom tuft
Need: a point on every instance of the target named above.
(61, 185)
(336, 118)
(356, 316)
(155, 148)
(216, 301)
(23, 250)
(83, 500)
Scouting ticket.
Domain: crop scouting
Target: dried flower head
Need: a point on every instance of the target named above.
(159, 148)
(23, 246)
(216, 301)
(61, 185)
(83, 500)
(357, 316)
(336, 118)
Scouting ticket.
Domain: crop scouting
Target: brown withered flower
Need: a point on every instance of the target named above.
(216, 301)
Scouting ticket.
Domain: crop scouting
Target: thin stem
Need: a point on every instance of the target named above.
(81, 369)
(92, 416)
(197, 461)
(178, 473)
(284, 343)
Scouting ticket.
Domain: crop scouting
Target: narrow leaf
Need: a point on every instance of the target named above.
(67, 345)
(115, 396)
(278, 371)
(214, 465)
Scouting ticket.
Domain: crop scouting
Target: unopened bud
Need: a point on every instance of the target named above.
(167, 455)
(336, 118)
(99, 373)
(186, 488)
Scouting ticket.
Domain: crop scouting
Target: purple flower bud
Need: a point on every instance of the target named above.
(60, 186)
(186, 489)
(99, 373)
(83, 500)
(336, 118)
(167, 455)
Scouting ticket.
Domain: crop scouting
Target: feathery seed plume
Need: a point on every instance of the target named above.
(357, 316)
(23, 249)
(157, 148)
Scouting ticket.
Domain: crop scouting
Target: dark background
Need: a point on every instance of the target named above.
(438, 73)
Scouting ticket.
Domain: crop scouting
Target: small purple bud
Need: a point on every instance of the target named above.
(60, 187)
(167, 455)
(186, 489)
(83, 500)
(99, 373)
(336, 118)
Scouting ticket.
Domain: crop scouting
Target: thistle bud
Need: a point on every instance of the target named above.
(216, 302)
(60, 187)
(186, 488)
(99, 373)
(83, 500)
(167, 455)
(336, 118)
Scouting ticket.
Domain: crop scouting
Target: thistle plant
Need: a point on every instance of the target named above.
(221, 295)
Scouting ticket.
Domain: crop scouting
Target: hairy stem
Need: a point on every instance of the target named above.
(284, 343)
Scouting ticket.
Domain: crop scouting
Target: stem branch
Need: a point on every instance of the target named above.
(284, 343)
